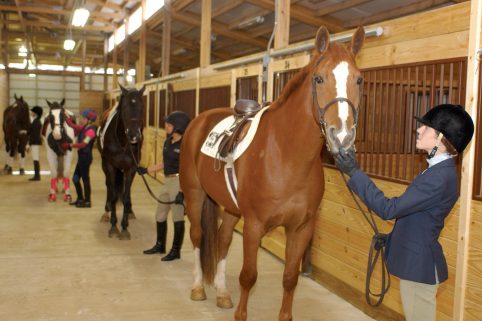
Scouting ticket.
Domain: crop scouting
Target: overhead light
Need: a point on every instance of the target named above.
(252, 21)
(81, 15)
(129, 78)
(22, 54)
(69, 44)
(32, 75)
(179, 51)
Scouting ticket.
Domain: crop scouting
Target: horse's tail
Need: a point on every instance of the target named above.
(209, 248)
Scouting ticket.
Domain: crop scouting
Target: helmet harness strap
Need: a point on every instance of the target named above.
(435, 148)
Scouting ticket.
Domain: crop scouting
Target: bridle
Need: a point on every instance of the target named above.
(320, 120)
(54, 124)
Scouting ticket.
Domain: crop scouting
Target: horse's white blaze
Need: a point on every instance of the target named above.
(341, 76)
(197, 271)
(220, 278)
(56, 129)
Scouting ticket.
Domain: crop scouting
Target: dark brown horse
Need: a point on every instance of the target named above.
(280, 175)
(16, 126)
(120, 146)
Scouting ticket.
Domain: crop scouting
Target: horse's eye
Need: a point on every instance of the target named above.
(319, 79)
(359, 81)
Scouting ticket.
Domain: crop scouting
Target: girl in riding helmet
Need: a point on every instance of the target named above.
(86, 133)
(175, 125)
(35, 140)
(413, 252)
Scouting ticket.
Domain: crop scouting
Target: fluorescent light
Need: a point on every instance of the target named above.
(129, 78)
(252, 21)
(22, 49)
(152, 6)
(69, 44)
(131, 72)
(81, 15)
(22, 54)
(32, 75)
(135, 21)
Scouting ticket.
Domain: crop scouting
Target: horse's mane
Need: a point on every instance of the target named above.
(295, 82)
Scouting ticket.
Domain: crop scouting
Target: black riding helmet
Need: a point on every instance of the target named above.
(37, 110)
(453, 122)
(179, 120)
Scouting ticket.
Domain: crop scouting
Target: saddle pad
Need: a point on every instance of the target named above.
(101, 131)
(211, 144)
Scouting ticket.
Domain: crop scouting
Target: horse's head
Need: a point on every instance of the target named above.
(22, 112)
(337, 88)
(131, 109)
(56, 118)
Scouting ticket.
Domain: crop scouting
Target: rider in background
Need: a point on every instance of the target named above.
(413, 252)
(86, 133)
(175, 125)
(35, 140)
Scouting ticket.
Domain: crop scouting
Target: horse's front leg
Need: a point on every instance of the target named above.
(128, 179)
(253, 231)
(112, 195)
(297, 241)
(66, 174)
(225, 236)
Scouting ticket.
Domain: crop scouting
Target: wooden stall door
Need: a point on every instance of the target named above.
(214, 97)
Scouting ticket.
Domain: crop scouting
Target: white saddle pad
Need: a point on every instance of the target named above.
(101, 131)
(211, 144)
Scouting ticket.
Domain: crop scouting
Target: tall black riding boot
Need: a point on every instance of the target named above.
(175, 252)
(80, 195)
(160, 246)
(86, 201)
(36, 168)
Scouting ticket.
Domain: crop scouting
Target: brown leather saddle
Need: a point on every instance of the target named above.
(244, 109)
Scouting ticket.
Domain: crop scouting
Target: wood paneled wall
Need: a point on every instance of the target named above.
(92, 99)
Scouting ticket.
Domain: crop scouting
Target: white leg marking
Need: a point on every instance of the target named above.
(197, 271)
(220, 278)
(341, 77)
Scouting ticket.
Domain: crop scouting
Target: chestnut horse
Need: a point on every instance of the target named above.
(280, 175)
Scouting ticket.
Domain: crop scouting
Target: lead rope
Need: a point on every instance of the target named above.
(376, 251)
(145, 181)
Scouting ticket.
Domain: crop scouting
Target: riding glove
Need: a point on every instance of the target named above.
(179, 198)
(346, 162)
(141, 170)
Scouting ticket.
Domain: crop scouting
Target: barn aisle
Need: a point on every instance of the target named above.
(57, 264)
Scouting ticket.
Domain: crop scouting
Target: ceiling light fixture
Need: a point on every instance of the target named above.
(81, 15)
(251, 21)
(69, 44)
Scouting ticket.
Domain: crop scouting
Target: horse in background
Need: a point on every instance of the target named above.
(120, 144)
(16, 127)
(279, 177)
(57, 133)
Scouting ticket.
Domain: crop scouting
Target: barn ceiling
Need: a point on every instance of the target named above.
(239, 27)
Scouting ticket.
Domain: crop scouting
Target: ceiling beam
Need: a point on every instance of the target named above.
(220, 28)
(59, 25)
(302, 14)
(27, 35)
(107, 4)
(34, 9)
(225, 7)
(335, 7)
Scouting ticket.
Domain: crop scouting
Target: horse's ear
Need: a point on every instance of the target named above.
(15, 96)
(322, 40)
(21, 98)
(48, 102)
(124, 91)
(357, 40)
(142, 89)
(62, 103)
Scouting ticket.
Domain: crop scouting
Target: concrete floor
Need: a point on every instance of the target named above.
(57, 263)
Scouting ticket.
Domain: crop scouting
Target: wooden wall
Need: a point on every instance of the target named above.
(92, 99)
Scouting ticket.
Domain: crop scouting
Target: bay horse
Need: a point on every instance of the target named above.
(280, 175)
(58, 132)
(120, 147)
(16, 127)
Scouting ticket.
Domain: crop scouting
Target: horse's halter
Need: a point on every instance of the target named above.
(53, 124)
(322, 111)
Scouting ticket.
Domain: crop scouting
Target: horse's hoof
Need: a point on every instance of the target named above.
(131, 216)
(113, 231)
(105, 217)
(224, 302)
(125, 235)
(52, 197)
(198, 294)
(67, 198)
